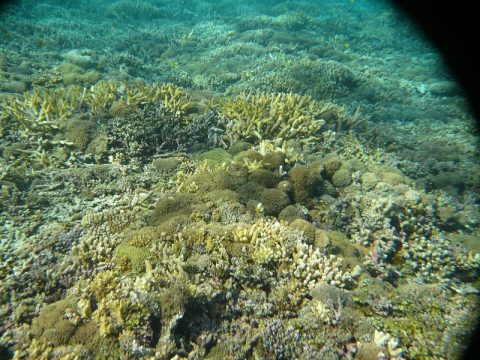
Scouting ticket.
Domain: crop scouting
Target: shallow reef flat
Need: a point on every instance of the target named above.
(261, 180)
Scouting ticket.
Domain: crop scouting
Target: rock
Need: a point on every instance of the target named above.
(444, 88)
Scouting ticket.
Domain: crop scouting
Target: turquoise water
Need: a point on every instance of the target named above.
(232, 179)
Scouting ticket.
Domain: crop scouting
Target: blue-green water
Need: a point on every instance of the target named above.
(232, 179)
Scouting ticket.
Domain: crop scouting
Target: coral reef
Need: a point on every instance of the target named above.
(236, 236)
(231, 186)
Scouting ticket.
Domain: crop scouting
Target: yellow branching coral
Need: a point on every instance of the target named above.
(280, 147)
(36, 118)
(173, 99)
(251, 164)
(265, 116)
(269, 238)
(43, 109)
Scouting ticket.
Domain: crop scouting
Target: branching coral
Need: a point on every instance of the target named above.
(310, 266)
(37, 120)
(43, 110)
(265, 116)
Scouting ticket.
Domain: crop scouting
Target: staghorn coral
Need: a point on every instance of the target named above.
(43, 110)
(264, 116)
(32, 126)
(105, 94)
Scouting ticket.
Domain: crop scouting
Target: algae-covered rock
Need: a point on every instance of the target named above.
(223, 196)
(173, 224)
(412, 196)
(216, 180)
(302, 184)
(315, 169)
(447, 216)
(356, 165)
(327, 188)
(393, 178)
(52, 326)
(343, 246)
(249, 155)
(444, 88)
(79, 132)
(273, 201)
(250, 191)
(285, 186)
(15, 86)
(88, 78)
(322, 240)
(136, 256)
(174, 302)
(273, 160)
(172, 205)
(198, 263)
(68, 68)
(88, 335)
(119, 108)
(98, 147)
(79, 58)
(368, 351)
(73, 74)
(167, 166)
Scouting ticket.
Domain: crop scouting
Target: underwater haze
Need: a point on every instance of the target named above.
(201, 179)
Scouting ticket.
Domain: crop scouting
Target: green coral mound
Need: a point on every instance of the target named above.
(273, 201)
(265, 178)
(304, 180)
(131, 257)
(215, 156)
